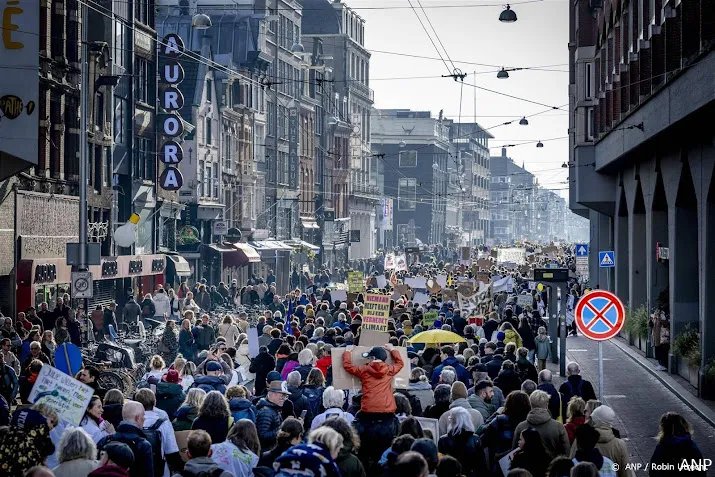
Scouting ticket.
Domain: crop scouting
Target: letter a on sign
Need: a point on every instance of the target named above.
(173, 45)
(171, 179)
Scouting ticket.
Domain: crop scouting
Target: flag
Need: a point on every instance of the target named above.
(287, 328)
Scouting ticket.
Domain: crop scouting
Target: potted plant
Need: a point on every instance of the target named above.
(707, 380)
(687, 347)
(636, 324)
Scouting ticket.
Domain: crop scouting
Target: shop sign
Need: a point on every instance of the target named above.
(45, 273)
(293, 158)
(188, 235)
(171, 74)
(220, 227)
(110, 268)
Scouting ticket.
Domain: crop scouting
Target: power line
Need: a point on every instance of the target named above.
(429, 36)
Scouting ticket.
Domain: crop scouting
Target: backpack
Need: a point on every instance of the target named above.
(314, 399)
(153, 435)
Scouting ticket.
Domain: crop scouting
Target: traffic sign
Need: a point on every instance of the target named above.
(582, 250)
(607, 259)
(82, 285)
(600, 315)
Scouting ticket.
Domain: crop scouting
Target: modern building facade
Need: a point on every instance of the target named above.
(413, 151)
(642, 158)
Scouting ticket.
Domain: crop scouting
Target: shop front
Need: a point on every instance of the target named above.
(275, 255)
(46, 279)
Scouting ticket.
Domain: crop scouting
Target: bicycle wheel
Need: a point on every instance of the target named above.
(111, 380)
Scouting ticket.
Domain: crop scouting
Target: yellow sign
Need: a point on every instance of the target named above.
(356, 282)
(376, 312)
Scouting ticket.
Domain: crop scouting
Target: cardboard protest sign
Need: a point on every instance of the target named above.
(430, 424)
(433, 286)
(420, 298)
(442, 280)
(524, 300)
(65, 395)
(381, 281)
(467, 303)
(253, 342)
(390, 261)
(484, 264)
(370, 338)
(514, 255)
(344, 380)
(376, 312)
(429, 318)
(404, 290)
(449, 294)
(419, 283)
(356, 282)
(341, 295)
(483, 277)
(401, 263)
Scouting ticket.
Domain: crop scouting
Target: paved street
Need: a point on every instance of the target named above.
(637, 397)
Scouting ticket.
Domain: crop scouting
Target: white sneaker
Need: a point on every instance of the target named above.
(660, 368)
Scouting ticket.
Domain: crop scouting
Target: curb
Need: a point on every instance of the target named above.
(673, 386)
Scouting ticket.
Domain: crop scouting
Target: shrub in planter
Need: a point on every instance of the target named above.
(636, 324)
(707, 380)
(687, 346)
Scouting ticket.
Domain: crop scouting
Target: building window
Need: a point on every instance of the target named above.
(143, 78)
(588, 78)
(590, 124)
(407, 194)
(120, 116)
(207, 181)
(408, 158)
(201, 178)
(207, 133)
(144, 158)
(144, 11)
(209, 90)
(215, 182)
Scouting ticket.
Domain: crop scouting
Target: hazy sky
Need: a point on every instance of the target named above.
(475, 35)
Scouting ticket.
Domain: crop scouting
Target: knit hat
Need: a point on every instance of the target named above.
(459, 390)
(307, 460)
(273, 376)
(427, 449)
(603, 415)
(213, 366)
(172, 376)
(120, 453)
(500, 336)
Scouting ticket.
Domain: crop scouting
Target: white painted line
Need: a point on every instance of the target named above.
(614, 396)
(576, 350)
(605, 359)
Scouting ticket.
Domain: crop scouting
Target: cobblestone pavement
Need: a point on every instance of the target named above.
(637, 397)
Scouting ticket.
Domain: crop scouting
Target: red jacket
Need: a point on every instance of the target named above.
(376, 378)
(323, 364)
(571, 427)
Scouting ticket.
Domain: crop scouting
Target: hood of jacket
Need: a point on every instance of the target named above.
(508, 374)
(377, 368)
(420, 386)
(239, 404)
(295, 394)
(187, 412)
(605, 433)
(677, 440)
(451, 361)
(461, 402)
(242, 350)
(538, 417)
(547, 388)
(199, 466)
(509, 335)
(171, 389)
(210, 380)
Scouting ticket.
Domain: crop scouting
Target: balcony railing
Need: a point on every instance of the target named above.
(362, 89)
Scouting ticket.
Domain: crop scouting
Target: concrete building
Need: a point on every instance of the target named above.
(413, 151)
(642, 155)
(511, 200)
(472, 144)
(342, 31)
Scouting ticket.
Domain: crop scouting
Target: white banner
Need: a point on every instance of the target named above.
(420, 298)
(503, 285)
(62, 393)
(514, 255)
(467, 304)
(390, 261)
(401, 263)
(418, 283)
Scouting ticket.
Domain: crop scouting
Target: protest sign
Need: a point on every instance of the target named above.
(404, 290)
(484, 264)
(400, 263)
(356, 282)
(514, 255)
(483, 277)
(524, 300)
(344, 380)
(502, 285)
(341, 295)
(442, 280)
(429, 318)
(390, 261)
(525, 270)
(253, 342)
(381, 281)
(433, 286)
(449, 294)
(420, 298)
(419, 283)
(430, 424)
(371, 338)
(532, 285)
(376, 312)
(467, 303)
(62, 393)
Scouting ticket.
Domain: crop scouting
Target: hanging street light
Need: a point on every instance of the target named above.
(201, 21)
(524, 121)
(507, 15)
(539, 144)
(502, 74)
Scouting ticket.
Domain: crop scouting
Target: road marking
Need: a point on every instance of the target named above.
(577, 350)
(605, 359)
(614, 396)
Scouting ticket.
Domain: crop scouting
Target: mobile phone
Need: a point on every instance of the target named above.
(303, 413)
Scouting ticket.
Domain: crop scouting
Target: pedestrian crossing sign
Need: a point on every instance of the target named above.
(606, 259)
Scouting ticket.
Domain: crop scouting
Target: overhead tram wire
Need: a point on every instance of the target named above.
(429, 36)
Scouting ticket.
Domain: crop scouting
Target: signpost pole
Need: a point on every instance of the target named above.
(600, 371)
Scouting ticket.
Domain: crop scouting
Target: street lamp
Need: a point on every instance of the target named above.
(524, 121)
(502, 74)
(201, 21)
(297, 48)
(402, 144)
(507, 15)
(539, 144)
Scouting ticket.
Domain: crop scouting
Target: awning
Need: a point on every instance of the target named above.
(220, 248)
(270, 245)
(181, 266)
(249, 253)
(309, 223)
(297, 243)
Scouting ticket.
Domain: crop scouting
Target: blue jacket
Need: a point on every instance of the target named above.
(131, 435)
(10, 381)
(462, 373)
(210, 383)
(241, 408)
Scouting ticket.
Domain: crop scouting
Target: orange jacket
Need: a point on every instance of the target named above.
(376, 378)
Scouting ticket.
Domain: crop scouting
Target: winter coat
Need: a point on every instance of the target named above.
(467, 449)
(162, 306)
(477, 418)
(203, 300)
(462, 373)
(572, 425)
(436, 410)
(536, 464)
(376, 378)
(135, 438)
(206, 337)
(510, 336)
(543, 347)
(673, 450)
(323, 364)
(230, 332)
(314, 395)
(498, 437)
(557, 403)
(238, 462)
(610, 446)
(577, 386)
(201, 467)
(187, 345)
(170, 343)
(273, 346)
(184, 418)
(131, 311)
(268, 420)
(478, 404)
(75, 468)
(556, 440)
(494, 365)
(526, 370)
(217, 427)
(261, 365)
(241, 408)
(304, 371)
(269, 457)
(113, 413)
(349, 464)
(422, 391)
(508, 380)
(332, 412)
(300, 404)
(490, 327)
(109, 470)
(210, 383)
(527, 337)
(148, 308)
(169, 397)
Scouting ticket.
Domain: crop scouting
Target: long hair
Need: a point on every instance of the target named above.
(459, 421)
(76, 444)
(351, 440)
(517, 406)
(194, 398)
(412, 427)
(243, 435)
(290, 429)
(315, 378)
(92, 401)
(214, 406)
(673, 425)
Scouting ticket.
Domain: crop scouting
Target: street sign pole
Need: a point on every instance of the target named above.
(600, 371)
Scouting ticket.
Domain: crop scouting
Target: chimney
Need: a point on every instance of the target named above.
(503, 152)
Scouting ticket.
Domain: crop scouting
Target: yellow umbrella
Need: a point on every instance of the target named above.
(436, 337)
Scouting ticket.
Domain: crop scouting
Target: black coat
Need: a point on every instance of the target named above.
(216, 427)
(268, 420)
(508, 380)
(261, 365)
(494, 366)
(467, 449)
(554, 400)
(300, 403)
(673, 450)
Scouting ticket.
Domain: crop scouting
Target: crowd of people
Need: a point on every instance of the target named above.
(210, 406)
